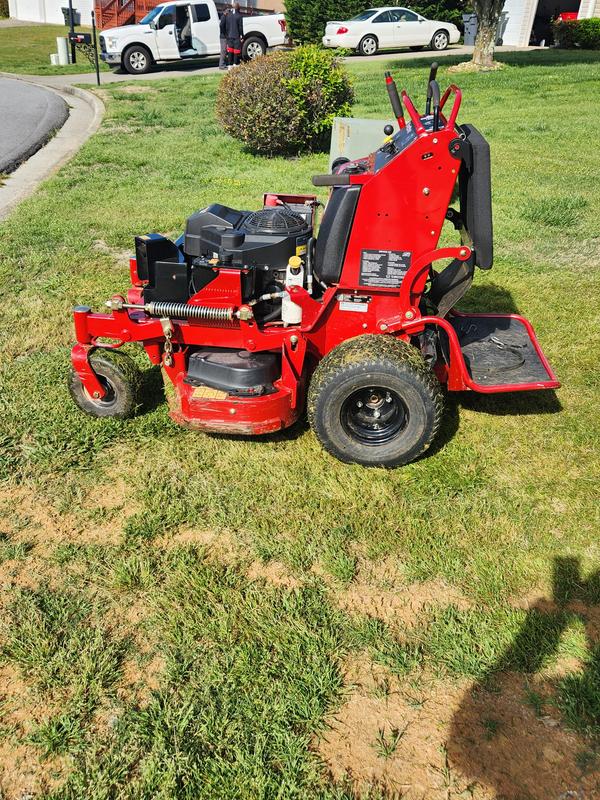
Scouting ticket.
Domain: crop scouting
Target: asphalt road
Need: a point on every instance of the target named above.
(29, 116)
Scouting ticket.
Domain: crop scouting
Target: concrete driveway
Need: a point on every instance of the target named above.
(29, 117)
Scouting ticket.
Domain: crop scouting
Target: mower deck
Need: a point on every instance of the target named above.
(501, 352)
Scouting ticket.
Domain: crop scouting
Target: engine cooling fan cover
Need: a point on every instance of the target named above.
(281, 221)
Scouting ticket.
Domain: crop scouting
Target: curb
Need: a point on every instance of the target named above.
(85, 115)
(34, 137)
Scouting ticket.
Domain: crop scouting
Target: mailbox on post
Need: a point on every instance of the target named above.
(80, 38)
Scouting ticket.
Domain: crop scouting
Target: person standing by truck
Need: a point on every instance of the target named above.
(235, 34)
(223, 39)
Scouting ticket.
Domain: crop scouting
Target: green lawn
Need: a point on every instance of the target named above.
(26, 49)
(186, 616)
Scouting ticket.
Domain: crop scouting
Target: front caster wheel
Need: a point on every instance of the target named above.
(121, 379)
(373, 401)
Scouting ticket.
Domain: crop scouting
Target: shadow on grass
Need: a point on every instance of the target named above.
(513, 403)
(517, 751)
(152, 392)
(549, 57)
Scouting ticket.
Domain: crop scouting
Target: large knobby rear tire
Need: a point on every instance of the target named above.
(120, 377)
(374, 401)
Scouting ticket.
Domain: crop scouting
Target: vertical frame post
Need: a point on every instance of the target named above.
(95, 45)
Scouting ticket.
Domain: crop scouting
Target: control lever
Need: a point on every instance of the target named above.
(432, 77)
(434, 91)
(395, 100)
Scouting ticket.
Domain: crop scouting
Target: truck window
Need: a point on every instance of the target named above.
(201, 12)
(151, 15)
(167, 17)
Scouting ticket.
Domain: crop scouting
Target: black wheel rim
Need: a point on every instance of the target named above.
(373, 415)
(110, 396)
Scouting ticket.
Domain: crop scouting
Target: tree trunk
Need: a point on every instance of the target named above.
(488, 14)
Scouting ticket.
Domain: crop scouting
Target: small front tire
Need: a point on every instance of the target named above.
(374, 401)
(368, 46)
(440, 40)
(137, 60)
(120, 377)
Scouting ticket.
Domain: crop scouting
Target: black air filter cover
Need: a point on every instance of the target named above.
(279, 220)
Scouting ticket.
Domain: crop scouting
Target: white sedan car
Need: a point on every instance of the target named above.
(389, 27)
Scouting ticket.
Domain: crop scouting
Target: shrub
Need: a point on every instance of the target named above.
(284, 102)
(307, 18)
(3, 9)
(584, 33)
(588, 33)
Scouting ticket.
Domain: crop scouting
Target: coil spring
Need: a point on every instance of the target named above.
(178, 310)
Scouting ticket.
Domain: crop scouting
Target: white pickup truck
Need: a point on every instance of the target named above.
(181, 30)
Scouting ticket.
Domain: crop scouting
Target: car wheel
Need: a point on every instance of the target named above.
(439, 40)
(137, 60)
(253, 48)
(374, 401)
(120, 377)
(368, 46)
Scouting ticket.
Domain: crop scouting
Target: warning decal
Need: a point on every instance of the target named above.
(384, 268)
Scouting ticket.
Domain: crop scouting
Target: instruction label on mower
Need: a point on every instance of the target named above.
(384, 268)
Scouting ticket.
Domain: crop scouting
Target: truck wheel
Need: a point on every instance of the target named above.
(252, 48)
(439, 40)
(122, 380)
(373, 401)
(137, 59)
(368, 45)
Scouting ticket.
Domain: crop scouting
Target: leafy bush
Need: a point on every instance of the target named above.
(588, 33)
(584, 33)
(307, 18)
(285, 102)
(3, 9)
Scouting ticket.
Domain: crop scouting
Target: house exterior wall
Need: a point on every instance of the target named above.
(589, 8)
(48, 10)
(519, 21)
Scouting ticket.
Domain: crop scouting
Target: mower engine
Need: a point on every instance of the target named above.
(255, 315)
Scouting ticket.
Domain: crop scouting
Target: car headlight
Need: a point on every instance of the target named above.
(111, 42)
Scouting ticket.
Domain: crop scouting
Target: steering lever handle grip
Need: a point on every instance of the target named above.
(434, 95)
(395, 100)
(432, 77)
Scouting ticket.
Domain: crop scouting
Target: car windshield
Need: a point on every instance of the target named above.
(364, 15)
(151, 15)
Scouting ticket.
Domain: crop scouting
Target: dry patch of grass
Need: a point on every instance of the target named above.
(438, 740)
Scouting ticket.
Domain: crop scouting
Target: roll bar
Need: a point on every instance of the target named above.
(452, 89)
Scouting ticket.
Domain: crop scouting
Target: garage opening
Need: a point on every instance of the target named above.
(547, 10)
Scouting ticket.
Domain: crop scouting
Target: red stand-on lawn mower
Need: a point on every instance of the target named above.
(253, 317)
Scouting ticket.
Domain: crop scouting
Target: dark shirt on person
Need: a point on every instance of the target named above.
(234, 25)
